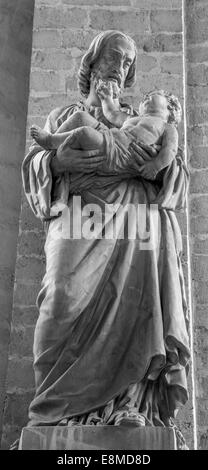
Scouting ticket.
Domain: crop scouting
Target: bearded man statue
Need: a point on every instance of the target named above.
(111, 343)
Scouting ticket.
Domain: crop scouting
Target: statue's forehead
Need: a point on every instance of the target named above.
(120, 44)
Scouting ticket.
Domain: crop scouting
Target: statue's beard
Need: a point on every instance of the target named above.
(97, 75)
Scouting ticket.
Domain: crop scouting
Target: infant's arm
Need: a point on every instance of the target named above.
(110, 110)
(169, 148)
(112, 114)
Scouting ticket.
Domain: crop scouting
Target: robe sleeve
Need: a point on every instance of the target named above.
(175, 182)
(38, 182)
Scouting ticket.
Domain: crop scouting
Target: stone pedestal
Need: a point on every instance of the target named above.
(97, 438)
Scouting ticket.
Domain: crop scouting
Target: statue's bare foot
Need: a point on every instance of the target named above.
(42, 137)
(69, 422)
(63, 422)
(130, 418)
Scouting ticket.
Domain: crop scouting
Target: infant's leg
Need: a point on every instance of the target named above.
(52, 141)
(78, 119)
(86, 138)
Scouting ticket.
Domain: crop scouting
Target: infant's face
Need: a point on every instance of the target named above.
(154, 103)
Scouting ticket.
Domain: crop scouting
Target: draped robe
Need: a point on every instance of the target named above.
(112, 328)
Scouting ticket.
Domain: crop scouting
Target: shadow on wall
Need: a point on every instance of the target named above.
(16, 20)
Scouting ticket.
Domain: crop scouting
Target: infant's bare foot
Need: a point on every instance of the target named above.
(42, 137)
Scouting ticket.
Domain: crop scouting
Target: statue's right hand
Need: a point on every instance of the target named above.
(76, 161)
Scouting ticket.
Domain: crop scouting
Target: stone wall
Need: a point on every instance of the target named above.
(16, 40)
(197, 133)
(63, 29)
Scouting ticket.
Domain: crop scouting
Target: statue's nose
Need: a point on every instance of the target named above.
(118, 69)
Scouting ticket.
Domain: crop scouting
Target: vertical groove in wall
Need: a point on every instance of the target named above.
(188, 229)
(16, 20)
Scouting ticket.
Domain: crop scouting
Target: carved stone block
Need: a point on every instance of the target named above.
(97, 438)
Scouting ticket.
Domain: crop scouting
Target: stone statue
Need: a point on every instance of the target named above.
(111, 343)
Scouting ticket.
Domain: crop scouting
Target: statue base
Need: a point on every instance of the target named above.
(97, 438)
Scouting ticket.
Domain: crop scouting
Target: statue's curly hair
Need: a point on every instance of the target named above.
(174, 105)
(92, 55)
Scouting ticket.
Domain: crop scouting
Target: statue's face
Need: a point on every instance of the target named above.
(114, 61)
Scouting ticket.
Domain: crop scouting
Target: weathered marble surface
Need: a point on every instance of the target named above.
(97, 437)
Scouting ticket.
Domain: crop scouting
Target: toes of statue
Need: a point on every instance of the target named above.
(63, 422)
(130, 418)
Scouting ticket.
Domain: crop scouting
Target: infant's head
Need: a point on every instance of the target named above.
(165, 103)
